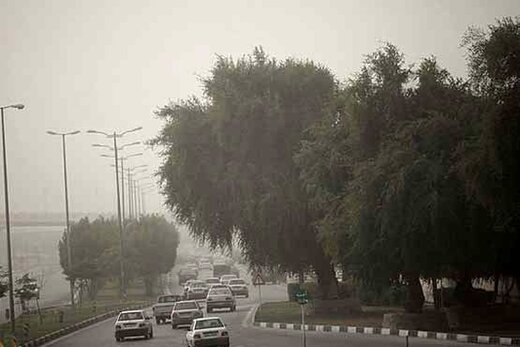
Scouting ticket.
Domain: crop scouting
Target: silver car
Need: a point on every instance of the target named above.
(239, 287)
(184, 312)
(209, 331)
(197, 290)
(133, 323)
(224, 279)
(220, 298)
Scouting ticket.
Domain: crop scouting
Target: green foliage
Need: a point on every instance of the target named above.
(403, 172)
(414, 173)
(4, 283)
(488, 161)
(95, 252)
(228, 168)
(151, 248)
(26, 289)
(382, 295)
(92, 248)
(310, 288)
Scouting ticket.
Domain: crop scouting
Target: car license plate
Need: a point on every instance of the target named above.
(211, 333)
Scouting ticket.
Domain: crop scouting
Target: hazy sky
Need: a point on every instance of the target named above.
(109, 64)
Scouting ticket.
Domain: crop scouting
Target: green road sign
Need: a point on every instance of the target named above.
(302, 298)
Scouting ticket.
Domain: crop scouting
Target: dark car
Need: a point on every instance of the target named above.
(184, 312)
(197, 290)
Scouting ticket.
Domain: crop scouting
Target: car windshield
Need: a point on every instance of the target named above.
(236, 282)
(130, 316)
(169, 298)
(219, 291)
(199, 285)
(190, 305)
(208, 324)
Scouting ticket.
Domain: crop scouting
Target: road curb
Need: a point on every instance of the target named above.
(76, 326)
(465, 338)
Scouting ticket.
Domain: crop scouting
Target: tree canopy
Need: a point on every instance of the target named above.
(228, 169)
(150, 248)
(401, 173)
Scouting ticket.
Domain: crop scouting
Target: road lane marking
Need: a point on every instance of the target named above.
(248, 319)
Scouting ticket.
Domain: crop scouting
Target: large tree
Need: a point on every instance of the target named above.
(488, 161)
(228, 165)
(380, 169)
(94, 250)
(150, 248)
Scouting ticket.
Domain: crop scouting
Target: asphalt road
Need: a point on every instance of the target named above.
(241, 333)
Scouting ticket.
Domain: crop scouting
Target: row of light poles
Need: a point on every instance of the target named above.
(68, 245)
(114, 136)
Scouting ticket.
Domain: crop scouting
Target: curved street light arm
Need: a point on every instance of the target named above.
(129, 131)
(17, 106)
(99, 132)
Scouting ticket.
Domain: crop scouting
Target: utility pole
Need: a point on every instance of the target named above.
(114, 136)
(68, 245)
(121, 235)
(8, 222)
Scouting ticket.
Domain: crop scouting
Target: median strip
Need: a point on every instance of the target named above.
(488, 340)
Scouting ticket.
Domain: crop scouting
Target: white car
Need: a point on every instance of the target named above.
(239, 287)
(212, 280)
(224, 279)
(133, 323)
(220, 297)
(210, 331)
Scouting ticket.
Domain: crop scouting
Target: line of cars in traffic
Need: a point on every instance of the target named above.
(186, 309)
(208, 331)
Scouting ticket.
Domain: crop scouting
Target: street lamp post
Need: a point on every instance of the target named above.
(69, 248)
(123, 176)
(131, 188)
(114, 136)
(8, 221)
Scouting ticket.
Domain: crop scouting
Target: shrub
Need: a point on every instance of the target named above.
(392, 295)
(310, 288)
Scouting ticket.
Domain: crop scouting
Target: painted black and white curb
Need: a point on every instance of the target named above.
(74, 327)
(494, 340)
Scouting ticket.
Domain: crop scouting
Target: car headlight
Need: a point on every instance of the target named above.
(118, 327)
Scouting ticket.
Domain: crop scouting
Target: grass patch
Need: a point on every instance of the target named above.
(290, 312)
(59, 317)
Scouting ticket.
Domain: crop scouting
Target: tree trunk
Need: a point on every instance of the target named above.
(414, 296)
(463, 291)
(436, 292)
(327, 282)
(496, 279)
(149, 284)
